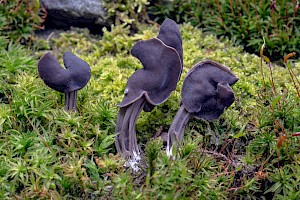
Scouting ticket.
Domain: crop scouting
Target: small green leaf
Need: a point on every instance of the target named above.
(274, 187)
(240, 133)
(275, 101)
(288, 65)
(266, 59)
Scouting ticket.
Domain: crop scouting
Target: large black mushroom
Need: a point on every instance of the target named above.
(66, 80)
(206, 92)
(149, 86)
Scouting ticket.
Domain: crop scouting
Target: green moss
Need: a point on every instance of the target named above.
(19, 19)
(244, 22)
(217, 159)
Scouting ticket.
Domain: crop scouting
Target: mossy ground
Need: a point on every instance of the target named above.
(46, 152)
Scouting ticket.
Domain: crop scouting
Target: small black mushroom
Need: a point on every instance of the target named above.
(206, 92)
(67, 80)
(149, 86)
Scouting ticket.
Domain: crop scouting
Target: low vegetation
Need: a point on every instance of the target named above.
(20, 18)
(243, 21)
(250, 152)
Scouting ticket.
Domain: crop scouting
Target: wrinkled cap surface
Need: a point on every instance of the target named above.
(158, 78)
(74, 77)
(206, 90)
(170, 35)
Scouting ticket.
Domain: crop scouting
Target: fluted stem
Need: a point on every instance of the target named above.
(126, 142)
(70, 100)
(177, 128)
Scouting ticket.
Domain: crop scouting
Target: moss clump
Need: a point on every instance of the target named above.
(244, 22)
(47, 152)
(20, 18)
